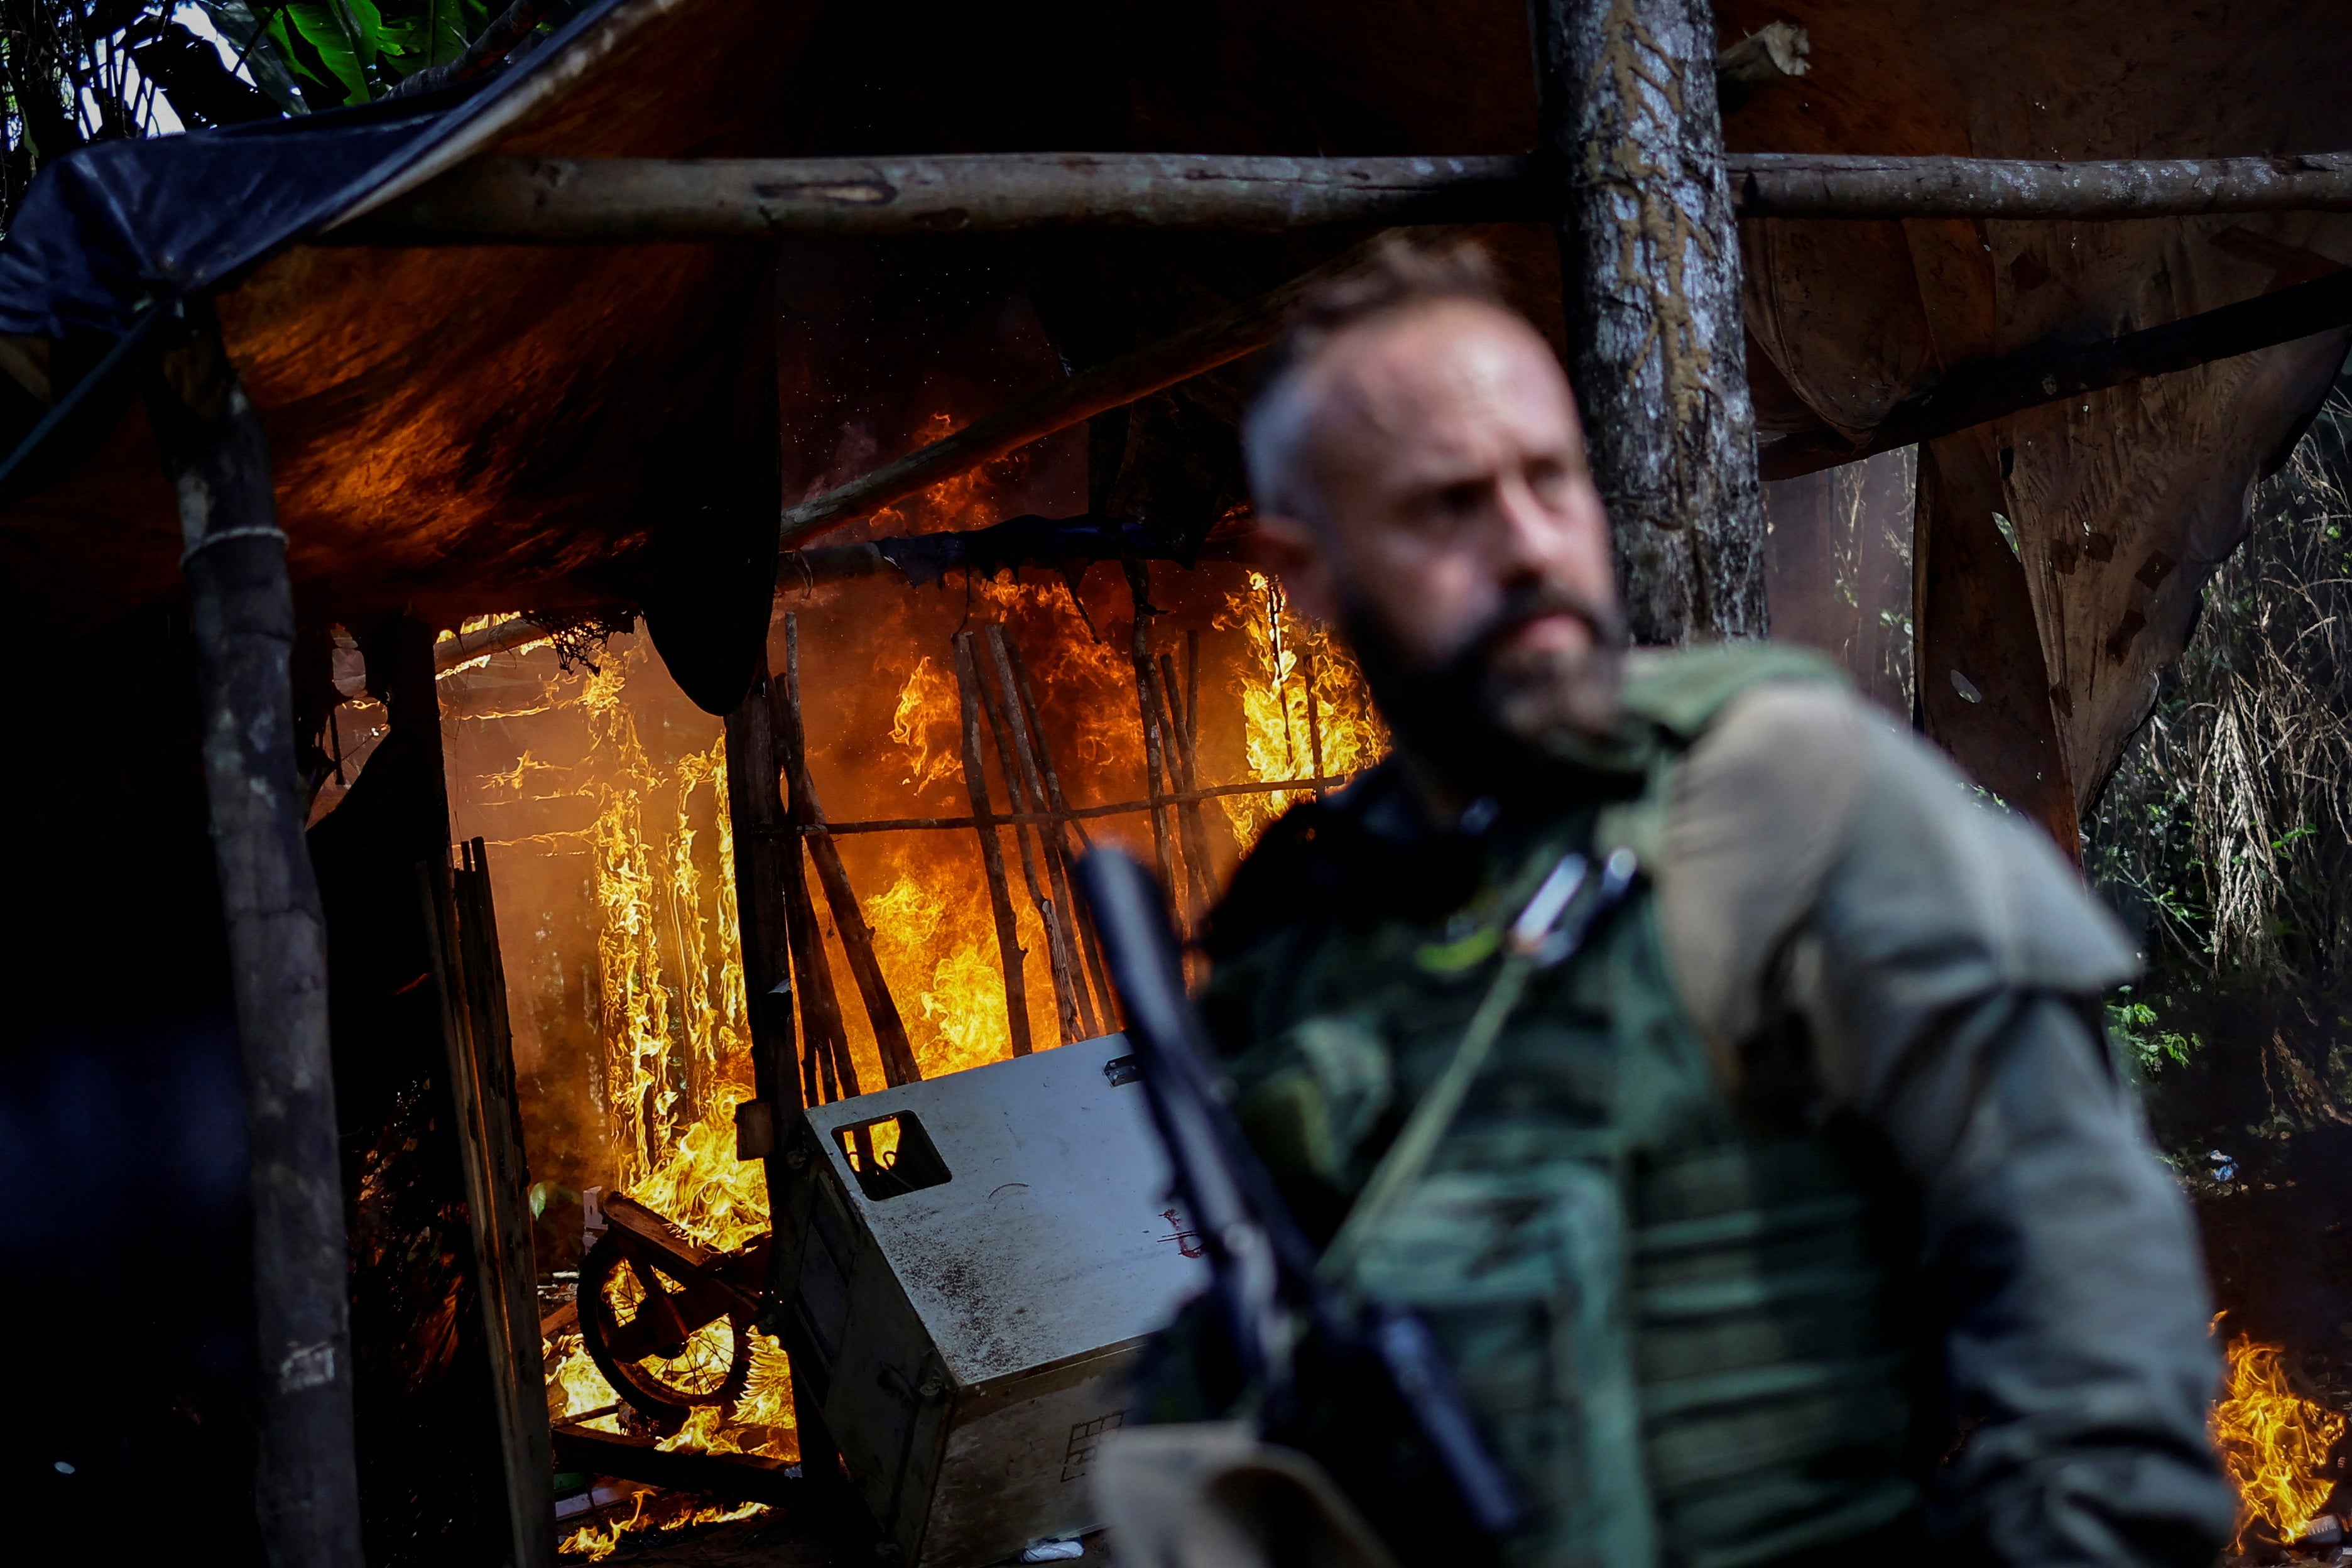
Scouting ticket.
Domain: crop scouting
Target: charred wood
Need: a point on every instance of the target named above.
(1139, 589)
(827, 1072)
(1066, 544)
(733, 1477)
(1028, 739)
(1246, 327)
(848, 920)
(1015, 767)
(991, 850)
(1064, 823)
(1077, 814)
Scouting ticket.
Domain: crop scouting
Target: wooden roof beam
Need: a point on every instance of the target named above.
(604, 201)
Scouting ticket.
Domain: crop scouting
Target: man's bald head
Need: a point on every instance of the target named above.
(1420, 477)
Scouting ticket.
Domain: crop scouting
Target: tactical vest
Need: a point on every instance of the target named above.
(1674, 1320)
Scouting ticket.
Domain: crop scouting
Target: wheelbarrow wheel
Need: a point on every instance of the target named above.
(653, 1336)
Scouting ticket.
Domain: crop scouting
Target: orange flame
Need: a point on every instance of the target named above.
(1306, 702)
(2275, 1443)
(664, 1011)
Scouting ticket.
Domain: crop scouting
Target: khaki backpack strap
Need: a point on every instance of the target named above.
(1548, 930)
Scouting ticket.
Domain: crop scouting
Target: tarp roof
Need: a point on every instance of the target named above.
(492, 427)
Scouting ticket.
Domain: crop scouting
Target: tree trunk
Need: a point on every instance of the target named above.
(1650, 258)
(241, 606)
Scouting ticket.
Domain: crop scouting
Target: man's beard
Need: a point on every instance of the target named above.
(1479, 717)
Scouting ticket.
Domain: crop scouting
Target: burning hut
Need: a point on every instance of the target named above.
(526, 371)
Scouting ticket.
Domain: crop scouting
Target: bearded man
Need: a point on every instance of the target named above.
(1802, 1216)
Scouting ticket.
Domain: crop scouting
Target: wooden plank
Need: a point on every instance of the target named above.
(471, 981)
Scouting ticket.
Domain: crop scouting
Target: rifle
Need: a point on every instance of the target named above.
(1357, 1384)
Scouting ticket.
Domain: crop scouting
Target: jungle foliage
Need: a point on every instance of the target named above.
(2226, 830)
(84, 70)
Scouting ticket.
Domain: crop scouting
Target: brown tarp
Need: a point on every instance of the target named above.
(471, 429)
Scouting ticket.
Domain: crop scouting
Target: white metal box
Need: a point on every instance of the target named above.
(965, 1306)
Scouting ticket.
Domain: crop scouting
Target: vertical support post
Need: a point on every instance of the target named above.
(829, 1074)
(890, 1041)
(1027, 795)
(1191, 837)
(767, 850)
(461, 916)
(1138, 590)
(762, 841)
(1650, 256)
(241, 607)
(1314, 719)
(1081, 924)
(992, 851)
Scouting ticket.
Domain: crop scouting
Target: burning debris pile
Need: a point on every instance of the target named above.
(601, 793)
(2281, 1452)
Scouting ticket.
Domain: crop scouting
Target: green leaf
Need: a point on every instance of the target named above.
(265, 60)
(323, 27)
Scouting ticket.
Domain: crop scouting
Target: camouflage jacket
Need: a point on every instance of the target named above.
(1805, 1206)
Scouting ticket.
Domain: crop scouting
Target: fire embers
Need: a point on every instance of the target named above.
(2285, 1455)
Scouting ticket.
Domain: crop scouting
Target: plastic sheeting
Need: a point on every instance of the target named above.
(465, 430)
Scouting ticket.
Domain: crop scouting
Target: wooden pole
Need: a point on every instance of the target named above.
(1650, 256)
(604, 201)
(241, 609)
(1167, 800)
(1246, 327)
(1864, 187)
(1009, 767)
(467, 971)
(1056, 910)
(827, 1072)
(766, 852)
(992, 852)
(899, 1066)
(924, 558)
(1138, 593)
(754, 766)
(1065, 822)
(1190, 834)
(1314, 718)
